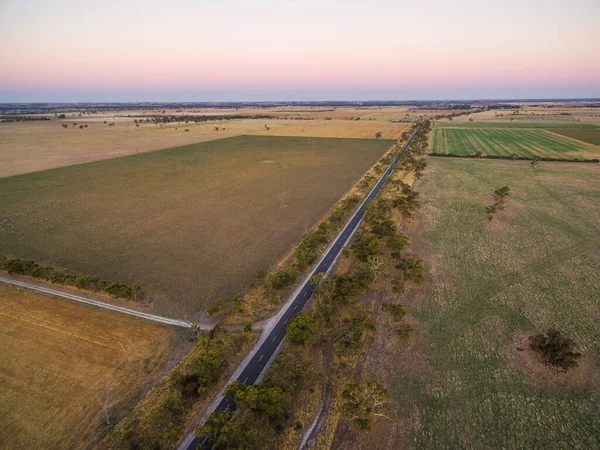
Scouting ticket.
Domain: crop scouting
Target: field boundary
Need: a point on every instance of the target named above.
(99, 304)
(515, 158)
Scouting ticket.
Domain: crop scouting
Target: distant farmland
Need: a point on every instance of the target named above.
(503, 142)
(189, 224)
(57, 356)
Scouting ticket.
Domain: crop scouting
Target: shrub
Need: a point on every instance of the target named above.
(404, 331)
(555, 349)
(285, 277)
(394, 309)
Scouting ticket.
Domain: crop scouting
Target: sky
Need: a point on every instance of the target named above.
(278, 50)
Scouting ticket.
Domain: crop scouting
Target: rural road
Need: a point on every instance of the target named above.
(253, 366)
(88, 301)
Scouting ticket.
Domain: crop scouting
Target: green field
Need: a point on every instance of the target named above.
(464, 383)
(189, 224)
(502, 142)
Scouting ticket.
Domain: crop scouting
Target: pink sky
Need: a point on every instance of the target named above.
(149, 46)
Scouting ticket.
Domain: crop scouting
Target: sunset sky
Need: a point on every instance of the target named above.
(302, 50)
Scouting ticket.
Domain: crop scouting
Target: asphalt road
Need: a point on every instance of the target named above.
(268, 346)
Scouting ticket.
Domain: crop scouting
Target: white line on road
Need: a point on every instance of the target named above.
(274, 338)
(246, 379)
(261, 357)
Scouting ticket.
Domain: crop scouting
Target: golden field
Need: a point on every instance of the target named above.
(58, 358)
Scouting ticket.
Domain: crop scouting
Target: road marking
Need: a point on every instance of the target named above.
(295, 307)
(286, 321)
(274, 338)
(261, 357)
(305, 294)
(245, 380)
(228, 405)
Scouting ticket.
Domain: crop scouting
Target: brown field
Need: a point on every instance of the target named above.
(57, 356)
(190, 224)
(589, 136)
(35, 146)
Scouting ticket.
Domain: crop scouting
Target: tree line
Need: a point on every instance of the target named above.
(55, 276)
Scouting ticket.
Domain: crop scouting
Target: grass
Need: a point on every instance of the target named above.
(589, 136)
(189, 224)
(469, 379)
(56, 356)
(522, 142)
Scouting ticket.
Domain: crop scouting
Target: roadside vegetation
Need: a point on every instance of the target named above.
(323, 345)
(162, 419)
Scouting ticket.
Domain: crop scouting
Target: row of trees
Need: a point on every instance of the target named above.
(500, 196)
(48, 273)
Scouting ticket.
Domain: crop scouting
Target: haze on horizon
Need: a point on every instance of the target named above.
(262, 50)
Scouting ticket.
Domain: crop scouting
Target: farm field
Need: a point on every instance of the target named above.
(42, 145)
(57, 356)
(190, 224)
(468, 378)
(503, 142)
(34, 146)
(589, 136)
(338, 129)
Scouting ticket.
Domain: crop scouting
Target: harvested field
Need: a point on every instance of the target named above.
(468, 378)
(34, 146)
(589, 136)
(522, 142)
(57, 356)
(338, 129)
(190, 224)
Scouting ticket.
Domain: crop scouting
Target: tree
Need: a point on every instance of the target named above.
(534, 162)
(365, 245)
(301, 328)
(378, 265)
(397, 242)
(363, 400)
(378, 135)
(556, 349)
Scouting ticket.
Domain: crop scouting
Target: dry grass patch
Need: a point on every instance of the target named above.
(57, 356)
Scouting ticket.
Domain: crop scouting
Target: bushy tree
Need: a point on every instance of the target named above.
(556, 350)
(301, 328)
